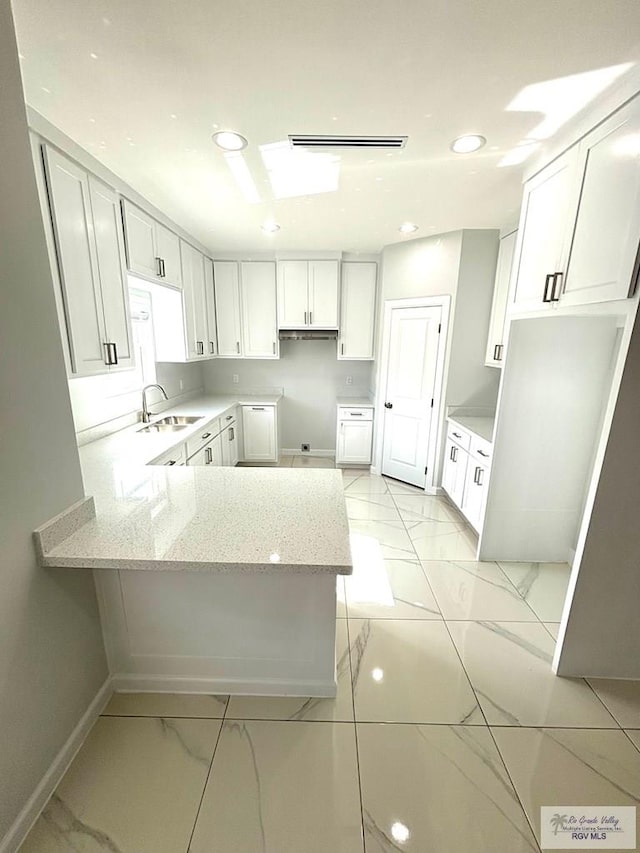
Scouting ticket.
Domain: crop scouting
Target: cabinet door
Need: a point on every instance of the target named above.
(258, 298)
(259, 431)
(107, 226)
(358, 309)
(354, 442)
(323, 294)
(607, 229)
(168, 250)
(474, 493)
(495, 338)
(454, 471)
(195, 308)
(548, 204)
(229, 439)
(227, 295)
(140, 241)
(293, 297)
(211, 345)
(216, 452)
(70, 203)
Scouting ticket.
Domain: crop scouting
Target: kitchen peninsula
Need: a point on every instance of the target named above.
(210, 579)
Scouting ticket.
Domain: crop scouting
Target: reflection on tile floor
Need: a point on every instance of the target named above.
(448, 731)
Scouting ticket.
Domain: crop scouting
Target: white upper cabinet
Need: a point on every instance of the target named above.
(543, 239)
(495, 338)
(580, 220)
(90, 268)
(323, 294)
(308, 294)
(357, 310)
(607, 228)
(195, 302)
(153, 251)
(258, 299)
(227, 295)
(211, 345)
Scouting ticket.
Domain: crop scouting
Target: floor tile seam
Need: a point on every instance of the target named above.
(510, 778)
(355, 730)
(521, 597)
(603, 703)
(162, 716)
(546, 727)
(630, 739)
(206, 782)
(406, 529)
(464, 669)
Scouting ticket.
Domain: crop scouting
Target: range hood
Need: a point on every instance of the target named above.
(308, 335)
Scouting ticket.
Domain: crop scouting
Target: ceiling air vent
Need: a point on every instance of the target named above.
(320, 141)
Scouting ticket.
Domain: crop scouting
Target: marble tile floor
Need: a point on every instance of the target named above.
(448, 731)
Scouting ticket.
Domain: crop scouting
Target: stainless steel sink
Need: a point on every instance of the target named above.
(179, 420)
(160, 427)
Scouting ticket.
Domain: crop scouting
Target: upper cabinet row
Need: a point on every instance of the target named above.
(153, 251)
(580, 221)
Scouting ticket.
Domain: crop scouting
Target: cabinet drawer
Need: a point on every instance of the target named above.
(229, 418)
(354, 413)
(481, 448)
(203, 436)
(175, 456)
(459, 436)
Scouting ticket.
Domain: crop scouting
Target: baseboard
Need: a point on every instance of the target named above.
(126, 683)
(288, 451)
(40, 797)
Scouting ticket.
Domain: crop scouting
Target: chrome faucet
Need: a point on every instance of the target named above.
(146, 414)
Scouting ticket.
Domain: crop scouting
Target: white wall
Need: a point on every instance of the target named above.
(52, 659)
(312, 378)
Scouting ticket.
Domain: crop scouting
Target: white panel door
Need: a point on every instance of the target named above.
(293, 297)
(495, 338)
(140, 237)
(357, 311)
(168, 250)
(454, 471)
(72, 223)
(607, 230)
(107, 227)
(259, 431)
(211, 346)
(323, 294)
(548, 204)
(258, 299)
(227, 291)
(410, 381)
(195, 307)
(354, 442)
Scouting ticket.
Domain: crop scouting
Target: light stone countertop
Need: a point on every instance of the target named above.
(202, 518)
(356, 402)
(482, 427)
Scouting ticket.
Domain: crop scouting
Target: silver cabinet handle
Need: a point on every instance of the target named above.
(159, 267)
(456, 435)
(229, 417)
(310, 318)
(107, 354)
(171, 462)
(111, 354)
(206, 435)
(212, 348)
(547, 281)
(257, 408)
(274, 347)
(557, 277)
(453, 456)
(163, 273)
(237, 346)
(231, 434)
(115, 353)
(497, 352)
(482, 453)
(208, 455)
(356, 414)
(341, 349)
(478, 476)
(200, 347)
(305, 318)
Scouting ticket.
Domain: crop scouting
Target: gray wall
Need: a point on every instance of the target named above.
(312, 378)
(52, 660)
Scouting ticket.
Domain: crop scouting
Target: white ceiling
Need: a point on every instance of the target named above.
(430, 69)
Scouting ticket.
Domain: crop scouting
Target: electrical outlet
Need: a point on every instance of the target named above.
(305, 447)
(235, 378)
(349, 380)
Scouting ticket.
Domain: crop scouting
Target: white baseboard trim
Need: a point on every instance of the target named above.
(288, 451)
(127, 683)
(58, 767)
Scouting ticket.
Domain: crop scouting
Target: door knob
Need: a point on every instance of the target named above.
(388, 405)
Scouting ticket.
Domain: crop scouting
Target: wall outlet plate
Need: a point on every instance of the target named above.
(235, 378)
(349, 380)
(305, 447)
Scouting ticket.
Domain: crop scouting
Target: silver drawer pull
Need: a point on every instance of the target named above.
(206, 435)
(171, 462)
(482, 453)
(257, 408)
(456, 435)
(229, 417)
(356, 414)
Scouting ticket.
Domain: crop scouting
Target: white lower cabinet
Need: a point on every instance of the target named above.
(466, 472)
(230, 454)
(260, 431)
(354, 435)
(210, 454)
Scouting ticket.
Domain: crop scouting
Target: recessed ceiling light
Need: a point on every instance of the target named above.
(407, 228)
(468, 144)
(229, 140)
(93, 55)
(270, 227)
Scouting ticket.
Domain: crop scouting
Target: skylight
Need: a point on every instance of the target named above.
(298, 172)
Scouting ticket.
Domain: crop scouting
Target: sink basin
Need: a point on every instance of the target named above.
(179, 420)
(160, 427)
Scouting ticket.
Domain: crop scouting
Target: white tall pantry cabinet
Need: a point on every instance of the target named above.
(227, 297)
(357, 310)
(258, 299)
